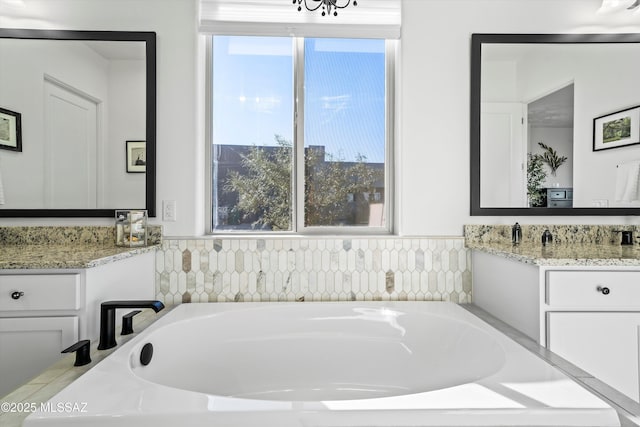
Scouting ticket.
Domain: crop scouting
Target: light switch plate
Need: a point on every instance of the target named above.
(169, 210)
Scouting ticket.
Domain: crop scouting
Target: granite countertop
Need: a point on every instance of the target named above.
(50, 256)
(44, 247)
(563, 254)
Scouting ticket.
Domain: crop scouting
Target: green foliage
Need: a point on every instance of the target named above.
(616, 130)
(264, 190)
(551, 158)
(535, 176)
(328, 183)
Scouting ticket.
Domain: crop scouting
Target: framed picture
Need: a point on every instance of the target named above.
(136, 156)
(10, 130)
(617, 129)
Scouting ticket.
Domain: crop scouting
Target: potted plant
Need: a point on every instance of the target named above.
(535, 176)
(551, 158)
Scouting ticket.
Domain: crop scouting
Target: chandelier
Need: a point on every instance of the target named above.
(327, 5)
(616, 5)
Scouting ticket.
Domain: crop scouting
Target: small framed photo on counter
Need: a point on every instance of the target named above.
(136, 156)
(131, 228)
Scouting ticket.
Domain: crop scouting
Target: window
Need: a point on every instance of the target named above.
(328, 170)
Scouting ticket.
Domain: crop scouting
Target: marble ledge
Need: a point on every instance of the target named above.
(560, 254)
(628, 410)
(64, 256)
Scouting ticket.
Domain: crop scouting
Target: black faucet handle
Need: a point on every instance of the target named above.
(83, 352)
(127, 322)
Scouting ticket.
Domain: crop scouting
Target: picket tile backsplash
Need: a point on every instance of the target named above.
(313, 269)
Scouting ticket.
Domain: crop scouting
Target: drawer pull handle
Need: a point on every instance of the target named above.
(603, 289)
(17, 294)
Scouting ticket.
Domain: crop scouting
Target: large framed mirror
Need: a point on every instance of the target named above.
(555, 124)
(77, 122)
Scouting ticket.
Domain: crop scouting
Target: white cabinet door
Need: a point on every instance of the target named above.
(29, 345)
(604, 344)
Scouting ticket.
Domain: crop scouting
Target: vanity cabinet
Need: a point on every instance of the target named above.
(589, 315)
(603, 344)
(29, 345)
(44, 311)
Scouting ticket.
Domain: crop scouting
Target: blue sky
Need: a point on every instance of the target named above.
(344, 89)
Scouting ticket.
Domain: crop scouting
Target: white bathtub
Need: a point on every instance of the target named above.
(324, 364)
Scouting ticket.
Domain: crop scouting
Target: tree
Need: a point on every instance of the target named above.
(328, 184)
(264, 189)
(267, 178)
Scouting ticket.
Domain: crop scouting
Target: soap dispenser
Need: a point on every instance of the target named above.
(547, 237)
(516, 234)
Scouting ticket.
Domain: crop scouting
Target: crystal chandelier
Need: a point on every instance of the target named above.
(327, 5)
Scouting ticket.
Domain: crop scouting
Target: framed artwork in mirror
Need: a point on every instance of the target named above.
(617, 129)
(136, 156)
(10, 130)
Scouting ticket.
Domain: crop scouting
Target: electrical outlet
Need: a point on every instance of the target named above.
(169, 210)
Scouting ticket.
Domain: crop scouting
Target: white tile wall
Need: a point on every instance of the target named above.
(313, 269)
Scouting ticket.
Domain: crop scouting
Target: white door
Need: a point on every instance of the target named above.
(503, 155)
(603, 344)
(30, 345)
(70, 149)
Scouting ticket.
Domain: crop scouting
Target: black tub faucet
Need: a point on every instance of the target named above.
(108, 318)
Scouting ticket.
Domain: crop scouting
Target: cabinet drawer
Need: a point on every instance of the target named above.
(559, 204)
(618, 289)
(41, 292)
(558, 194)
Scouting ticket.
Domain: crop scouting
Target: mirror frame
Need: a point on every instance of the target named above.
(149, 38)
(477, 40)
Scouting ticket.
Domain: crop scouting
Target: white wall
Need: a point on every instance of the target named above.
(179, 158)
(127, 122)
(499, 83)
(433, 148)
(434, 175)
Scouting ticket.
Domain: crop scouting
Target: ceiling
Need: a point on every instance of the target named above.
(554, 110)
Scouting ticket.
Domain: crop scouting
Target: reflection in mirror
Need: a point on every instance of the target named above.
(81, 96)
(534, 101)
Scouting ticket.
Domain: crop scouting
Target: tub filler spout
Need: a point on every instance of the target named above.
(108, 318)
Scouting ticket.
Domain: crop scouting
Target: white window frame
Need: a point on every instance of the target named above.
(298, 227)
